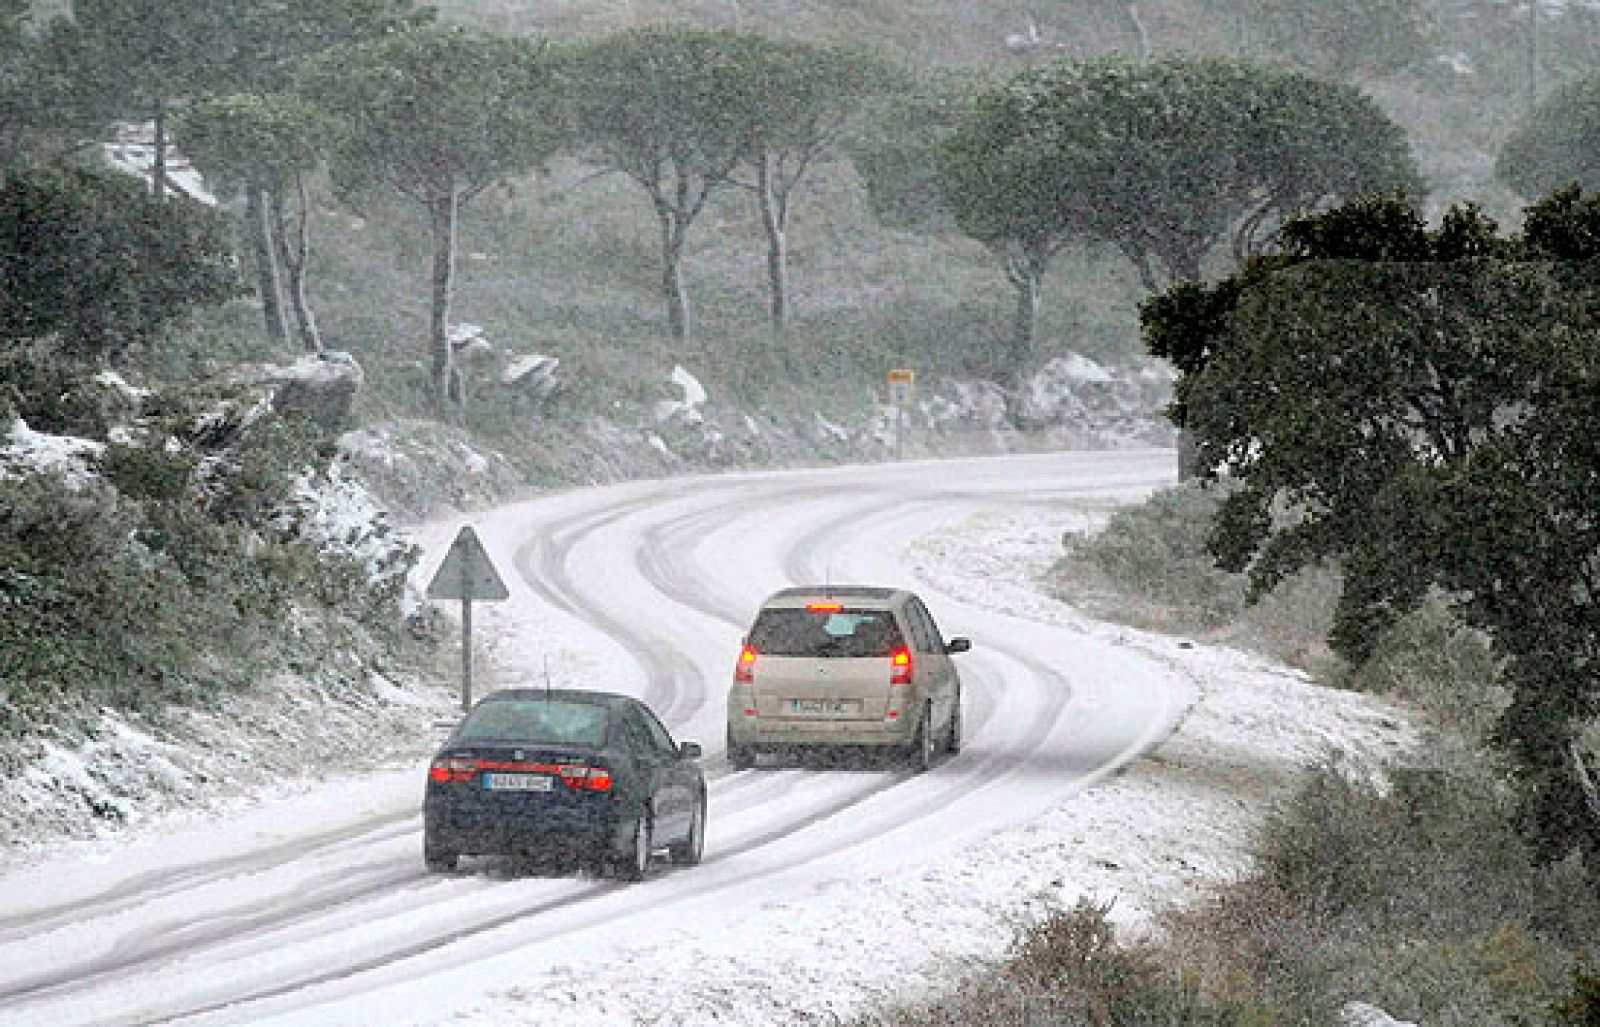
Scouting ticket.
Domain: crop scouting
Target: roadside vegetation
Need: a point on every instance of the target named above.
(1391, 500)
(1400, 488)
(163, 547)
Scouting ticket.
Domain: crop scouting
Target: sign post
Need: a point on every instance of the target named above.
(467, 573)
(901, 382)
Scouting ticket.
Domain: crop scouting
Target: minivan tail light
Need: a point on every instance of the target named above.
(744, 671)
(452, 769)
(900, 667)
(824, 607)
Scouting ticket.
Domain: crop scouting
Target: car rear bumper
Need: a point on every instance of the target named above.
(467, 829)
(769, 732)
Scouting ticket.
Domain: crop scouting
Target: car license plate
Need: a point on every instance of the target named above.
(822, 707)
(518, 782)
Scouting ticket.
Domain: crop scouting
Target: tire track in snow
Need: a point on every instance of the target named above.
(677, 684)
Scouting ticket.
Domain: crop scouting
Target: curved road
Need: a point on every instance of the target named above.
(644, 587)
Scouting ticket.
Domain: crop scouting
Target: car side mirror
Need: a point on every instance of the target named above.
(958, 645)
(689, 751)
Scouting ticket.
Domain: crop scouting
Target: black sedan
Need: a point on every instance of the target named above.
(535, 772)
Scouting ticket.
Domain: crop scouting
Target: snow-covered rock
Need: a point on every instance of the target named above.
(1360, 1014)
(685, 410)
(322, 385)
(532, 373)
(27, 451)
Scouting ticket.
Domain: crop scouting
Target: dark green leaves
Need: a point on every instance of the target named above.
(92, 258)
(1421, 406)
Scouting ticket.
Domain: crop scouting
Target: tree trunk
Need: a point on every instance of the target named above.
(1139, 30)
(1026, 274)
(158, 151)
(295, 258)
(448, 394)
(258, 224)
(775, 219)
(1188, 456)
(673, 291)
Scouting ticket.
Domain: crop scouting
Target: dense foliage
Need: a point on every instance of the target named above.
(174, 564)
(1559, 143)
(666, 107)
(91, 258)
(438, 115)
(1420, 404)
(1163, 160)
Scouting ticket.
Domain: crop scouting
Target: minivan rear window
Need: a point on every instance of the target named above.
(537, 722)
(845, 633)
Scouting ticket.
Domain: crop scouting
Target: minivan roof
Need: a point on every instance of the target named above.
(800, 595)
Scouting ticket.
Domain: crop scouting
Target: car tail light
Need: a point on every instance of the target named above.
(825, 607)
(586, 779)
(451, 769)
(744, 671)
(900, 667)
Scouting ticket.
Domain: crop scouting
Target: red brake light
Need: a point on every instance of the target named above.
(447, 770)
(900, 667)
(586, 779)
(825, 607)
(744, 672)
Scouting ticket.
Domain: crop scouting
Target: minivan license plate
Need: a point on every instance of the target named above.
(821, 707)
(517, 782)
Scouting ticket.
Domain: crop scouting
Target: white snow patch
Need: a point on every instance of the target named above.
(1360, 1014)
(133, 153)
(830, 428)
(530, 367)
(28, 451)
(686, 409)
(116, 381)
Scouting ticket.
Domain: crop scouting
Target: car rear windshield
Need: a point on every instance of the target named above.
(799, 632)
(537, 722)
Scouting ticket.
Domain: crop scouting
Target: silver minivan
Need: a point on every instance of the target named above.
(845, 666)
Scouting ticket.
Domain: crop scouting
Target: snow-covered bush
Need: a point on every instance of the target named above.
(364, 561)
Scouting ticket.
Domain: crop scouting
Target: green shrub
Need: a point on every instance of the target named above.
(1149, 566)
(36, 378)
(1580, 1006)
(149, 472)
(1069, 969)
(1156, 551)
(1412, 891)
(1429, 659)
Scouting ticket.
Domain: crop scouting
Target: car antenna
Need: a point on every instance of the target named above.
(546, 677)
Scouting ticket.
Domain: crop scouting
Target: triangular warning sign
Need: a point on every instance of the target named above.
(467, 572)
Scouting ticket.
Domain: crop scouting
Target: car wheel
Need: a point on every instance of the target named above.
(633, 865)
(742, 757)
(922, 745)
(952, 744)
(687, 853)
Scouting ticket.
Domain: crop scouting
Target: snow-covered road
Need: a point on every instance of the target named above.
(822, 889)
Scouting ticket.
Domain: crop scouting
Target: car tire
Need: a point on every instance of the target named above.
(952, 743)
(635, 863)
(921, 755)
(687, 853)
